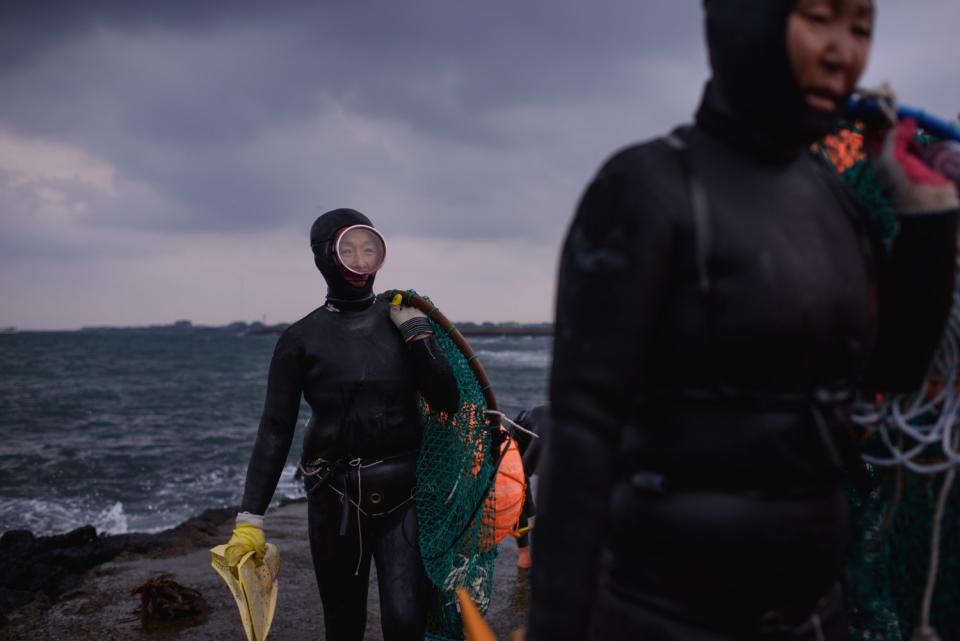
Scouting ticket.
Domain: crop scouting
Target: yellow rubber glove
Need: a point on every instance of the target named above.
(246, 537)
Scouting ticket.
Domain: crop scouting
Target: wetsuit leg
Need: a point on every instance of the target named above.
(343, 588)
(524, 539)
(404, 587)
(529, 511)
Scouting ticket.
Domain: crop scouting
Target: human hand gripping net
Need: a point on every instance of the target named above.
(907, 531)
(455, 492)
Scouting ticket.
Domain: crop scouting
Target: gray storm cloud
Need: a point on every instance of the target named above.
(141, 131)
(194, 105)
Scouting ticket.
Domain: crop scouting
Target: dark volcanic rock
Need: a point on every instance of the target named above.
(46, 568)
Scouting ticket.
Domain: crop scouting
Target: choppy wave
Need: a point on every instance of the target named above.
(55, 517)
(137, 434)
(288, 487)
(169, 506)
(515, 357)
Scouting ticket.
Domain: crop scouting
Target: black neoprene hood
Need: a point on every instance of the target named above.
(753, 90)
(322, 236)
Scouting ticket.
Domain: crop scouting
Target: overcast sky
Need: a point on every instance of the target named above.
(165, 160)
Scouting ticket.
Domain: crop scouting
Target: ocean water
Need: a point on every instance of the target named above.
(135, 433)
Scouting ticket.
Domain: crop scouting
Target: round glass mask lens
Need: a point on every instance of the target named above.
(361, 249)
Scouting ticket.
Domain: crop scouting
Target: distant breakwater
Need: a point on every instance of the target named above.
(240, 328)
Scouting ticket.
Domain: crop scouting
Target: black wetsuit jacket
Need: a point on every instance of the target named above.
(349, 362)
(360, 380)
(690, 463)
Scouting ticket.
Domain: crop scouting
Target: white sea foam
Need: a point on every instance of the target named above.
(112, 520)
(288, 487)
(44, 518)
(515, 357)
(82, 460)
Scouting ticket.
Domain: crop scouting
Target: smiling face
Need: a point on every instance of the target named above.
(828, 42)
(361, 251)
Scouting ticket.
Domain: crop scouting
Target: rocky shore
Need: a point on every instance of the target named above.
(78, 585)
(41, 571)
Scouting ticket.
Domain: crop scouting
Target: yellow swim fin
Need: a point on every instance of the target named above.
(254, 587)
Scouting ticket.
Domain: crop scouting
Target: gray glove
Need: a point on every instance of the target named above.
(412, 323)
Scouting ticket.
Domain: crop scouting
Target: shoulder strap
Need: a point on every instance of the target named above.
(698, 205)
(700, 229)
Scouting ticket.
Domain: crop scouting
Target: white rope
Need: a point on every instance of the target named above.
(515, 426)
(359, 465)
(929, 423)
(924, 629)
(817, 626)
(928, 428)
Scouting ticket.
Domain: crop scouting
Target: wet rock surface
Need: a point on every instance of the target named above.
(41, 571)
(98, 606)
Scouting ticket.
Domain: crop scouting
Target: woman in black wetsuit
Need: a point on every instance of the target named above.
(359, 362)
(536, 420)
(721, 299)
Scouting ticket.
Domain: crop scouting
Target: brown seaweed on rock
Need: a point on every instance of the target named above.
(163, 599)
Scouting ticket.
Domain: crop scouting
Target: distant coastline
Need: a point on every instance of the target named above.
(186, 327)
(256, 328)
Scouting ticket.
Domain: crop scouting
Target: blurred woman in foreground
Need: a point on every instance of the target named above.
(721, 299)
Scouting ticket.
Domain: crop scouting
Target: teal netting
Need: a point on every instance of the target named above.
(844, 152)
(890, 554)
(454, 491)
(890, 551)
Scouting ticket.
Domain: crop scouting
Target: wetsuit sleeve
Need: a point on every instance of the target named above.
(435, 378)
(613, 274)
(537, 421)
(915, 294)
(277, 425)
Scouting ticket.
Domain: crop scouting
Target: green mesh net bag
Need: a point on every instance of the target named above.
(888, 568)
(903, 567)
(455, 490)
